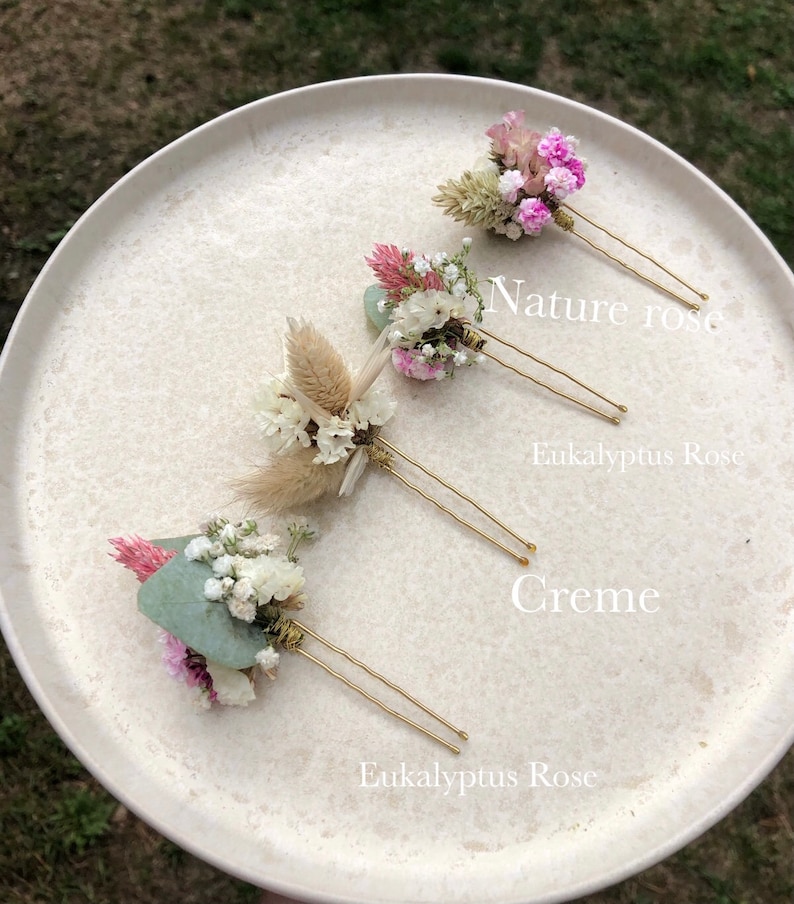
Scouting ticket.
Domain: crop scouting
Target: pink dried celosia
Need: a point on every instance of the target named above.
(140, 556)
(395, 273)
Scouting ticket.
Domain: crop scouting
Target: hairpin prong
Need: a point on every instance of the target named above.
(563, 221)
(557, 370)
(385, 462)
(362, 665)
(380, 703)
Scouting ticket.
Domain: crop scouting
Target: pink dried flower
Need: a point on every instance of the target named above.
(560, 182)
(510, 183)
(184, 664)
(514, 119)
(140, 555)
(514, 146)
(395, 273)
(533, 215)
(409, 362)
(577, 168)
(197, 674)
(174, 655)
(557, 148)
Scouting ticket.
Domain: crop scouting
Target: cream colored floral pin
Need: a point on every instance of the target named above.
(322, 425)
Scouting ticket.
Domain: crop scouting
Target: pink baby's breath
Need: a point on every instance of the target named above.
(556, 148)
(576, 166)
(140, 556)
(533, 215)
(510, 184)
(560, 182)
(409, 362)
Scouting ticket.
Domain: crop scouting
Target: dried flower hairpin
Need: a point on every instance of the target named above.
(223, 600)
(322, 425)
(420, 301)
(523, 186)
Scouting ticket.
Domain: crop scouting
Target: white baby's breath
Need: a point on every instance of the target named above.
(244, 609)
(198, 548)
(223, 566)
(213, 590)
(267, 658)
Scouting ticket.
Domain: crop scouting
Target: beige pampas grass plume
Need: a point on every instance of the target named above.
(289, 481)
(315, 368)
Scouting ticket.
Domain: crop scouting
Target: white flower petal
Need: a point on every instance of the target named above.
(232, 686)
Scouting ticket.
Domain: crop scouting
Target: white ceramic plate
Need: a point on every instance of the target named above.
(125, 408)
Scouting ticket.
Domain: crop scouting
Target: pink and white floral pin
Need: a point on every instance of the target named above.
(524, 185)
(322, 424)
(224, 600)
(420, 303)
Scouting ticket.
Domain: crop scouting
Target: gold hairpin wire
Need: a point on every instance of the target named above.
(297, 648)
(566, 222)
(385, 461)
(471, 336)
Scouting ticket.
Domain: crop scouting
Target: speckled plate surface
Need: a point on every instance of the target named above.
(600, 740)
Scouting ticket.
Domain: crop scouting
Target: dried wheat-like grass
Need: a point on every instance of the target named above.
(474, 199)
(315, 368)
(289, 481)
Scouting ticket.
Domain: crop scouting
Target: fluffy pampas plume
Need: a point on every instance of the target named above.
(290, 481)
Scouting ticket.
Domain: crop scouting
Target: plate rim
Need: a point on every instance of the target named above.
(24, 662)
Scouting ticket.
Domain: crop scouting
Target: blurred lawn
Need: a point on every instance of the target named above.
(90, 88)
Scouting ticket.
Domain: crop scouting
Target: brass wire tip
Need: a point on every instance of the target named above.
(385, 461)
(567, 223)
(386, 708)
(474, 340)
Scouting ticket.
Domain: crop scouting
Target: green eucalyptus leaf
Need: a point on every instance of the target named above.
(173, 598)
(372, 296)
(177, 543)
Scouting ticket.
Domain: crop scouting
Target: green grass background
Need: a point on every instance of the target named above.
(89, 88)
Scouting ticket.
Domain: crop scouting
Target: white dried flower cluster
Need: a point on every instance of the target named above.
(280, 418)
(282, 421)
(232, 687)
(247, 570)
(421, 312)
